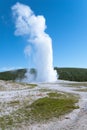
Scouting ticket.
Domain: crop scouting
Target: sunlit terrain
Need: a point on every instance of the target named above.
(41, 106)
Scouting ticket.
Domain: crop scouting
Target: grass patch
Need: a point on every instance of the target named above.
(40, 110)
(45, 90)
(32, 85)
(47, 108)
(56, 95)
(13, 103)
(28, 85)
(81, 90)
(76, 84)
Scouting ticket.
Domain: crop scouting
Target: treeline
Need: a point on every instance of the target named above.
(71, 74)
(13, 75)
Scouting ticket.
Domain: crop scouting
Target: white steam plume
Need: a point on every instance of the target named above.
(27, 23)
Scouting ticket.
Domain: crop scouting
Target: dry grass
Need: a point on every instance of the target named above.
(81, 90)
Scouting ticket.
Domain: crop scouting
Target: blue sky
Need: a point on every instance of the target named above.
(66, 22)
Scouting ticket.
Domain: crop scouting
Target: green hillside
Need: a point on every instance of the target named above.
(13, 75)
(71, 74)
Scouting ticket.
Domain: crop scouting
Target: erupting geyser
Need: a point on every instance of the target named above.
(27, 23)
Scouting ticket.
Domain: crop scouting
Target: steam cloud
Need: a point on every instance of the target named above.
(27, 23)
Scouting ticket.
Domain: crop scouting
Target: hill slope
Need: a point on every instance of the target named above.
(13, 75)
(71, 74)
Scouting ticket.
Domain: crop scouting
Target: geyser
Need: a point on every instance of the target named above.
(32, 26)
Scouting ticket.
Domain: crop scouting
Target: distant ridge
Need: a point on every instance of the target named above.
(71, 74)
(13, 74)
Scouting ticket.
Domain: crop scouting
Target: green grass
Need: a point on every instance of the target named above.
(56, 95)
(43, 109)
(47, 108)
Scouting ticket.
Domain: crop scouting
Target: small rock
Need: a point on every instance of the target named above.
(67, 117)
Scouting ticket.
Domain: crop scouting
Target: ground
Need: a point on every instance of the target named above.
(15, 98)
